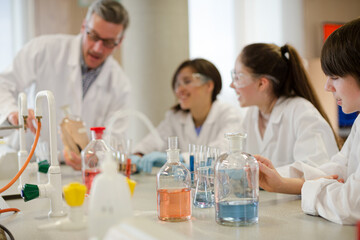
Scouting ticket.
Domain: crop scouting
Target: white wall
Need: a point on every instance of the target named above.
(211, 32)
(219, 29)
(16, 24)
(155, 44)
(5, 42)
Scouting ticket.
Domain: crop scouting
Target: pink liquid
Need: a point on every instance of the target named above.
(174, 204)
(88, 177)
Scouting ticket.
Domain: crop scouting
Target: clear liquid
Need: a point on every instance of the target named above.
(174, 205)
(237, 213)
(204, 199)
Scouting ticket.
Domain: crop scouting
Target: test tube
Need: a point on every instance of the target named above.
(196, 151)
(209, 156)
(191, 161)
(128, 160)
(203, 155)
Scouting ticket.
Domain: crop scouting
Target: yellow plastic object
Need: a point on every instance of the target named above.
(132, 185)
(74, 194)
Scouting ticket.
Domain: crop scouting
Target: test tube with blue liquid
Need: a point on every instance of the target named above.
(192, 162)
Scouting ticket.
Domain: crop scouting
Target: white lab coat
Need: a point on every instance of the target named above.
(53, 63)
(295, 132)
(221, 119)
(337, 202)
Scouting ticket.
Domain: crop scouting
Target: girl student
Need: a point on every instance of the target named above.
(334, 191)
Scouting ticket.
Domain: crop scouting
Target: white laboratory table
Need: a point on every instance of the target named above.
(280, 217)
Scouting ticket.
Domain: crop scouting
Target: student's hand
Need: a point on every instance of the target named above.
(72, 160)
(13, 118)
(334, 176)
(271, 181)
(269, 178)
(154, 159)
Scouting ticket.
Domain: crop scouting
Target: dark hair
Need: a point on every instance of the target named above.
(340, 54)
(205, 68)
(285, 65)
(109, 10)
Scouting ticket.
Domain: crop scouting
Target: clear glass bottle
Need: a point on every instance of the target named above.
(173, 185)
(236, 185)
(73, 132)
(92, 156)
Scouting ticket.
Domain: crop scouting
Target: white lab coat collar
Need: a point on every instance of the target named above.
(187, 118)
(275, 118)
(189, 126)
(212, 117)
(276, 113)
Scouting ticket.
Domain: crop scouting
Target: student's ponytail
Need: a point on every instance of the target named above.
(285, 66)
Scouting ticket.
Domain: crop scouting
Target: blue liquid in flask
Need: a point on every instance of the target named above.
(237, 213)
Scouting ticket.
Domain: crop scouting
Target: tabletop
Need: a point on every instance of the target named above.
(280, 217)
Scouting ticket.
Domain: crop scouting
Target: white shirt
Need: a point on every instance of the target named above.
(53, 63)
(221, 119)
(337, 202)
(296, 131)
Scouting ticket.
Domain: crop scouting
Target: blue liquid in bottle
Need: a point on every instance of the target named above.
(237, 213)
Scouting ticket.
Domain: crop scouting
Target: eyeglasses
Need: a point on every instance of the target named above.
(196, 80)
(109, 43)
(241, 80)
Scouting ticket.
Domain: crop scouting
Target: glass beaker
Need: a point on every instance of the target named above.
(236, 185)
(204, 192)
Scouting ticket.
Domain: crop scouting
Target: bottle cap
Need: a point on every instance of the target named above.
(43, 166)
(235, 135)
(74, 194)
(173, 151)
(29, 192)
(236, 140)
(173, 143)
(98, 132)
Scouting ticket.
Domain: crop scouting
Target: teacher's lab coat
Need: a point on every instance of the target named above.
(296, 131)
(337, 202)
(53, 63)
(222, 118)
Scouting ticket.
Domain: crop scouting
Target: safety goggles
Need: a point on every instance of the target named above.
(241, 80)
(109, 43)
(196, 80)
